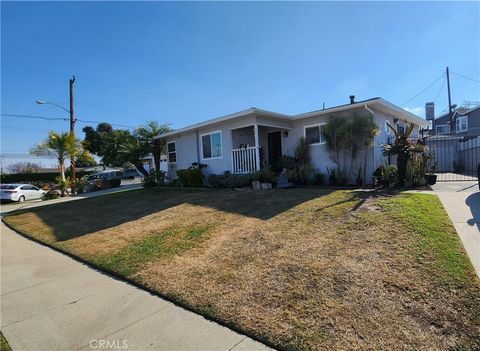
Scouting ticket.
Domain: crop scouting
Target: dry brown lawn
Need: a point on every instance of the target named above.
(300, 269)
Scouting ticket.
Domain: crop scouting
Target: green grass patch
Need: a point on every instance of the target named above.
(436, 238)
(4, 344)
(163, 244)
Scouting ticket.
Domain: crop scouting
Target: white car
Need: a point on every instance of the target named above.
(20, 192)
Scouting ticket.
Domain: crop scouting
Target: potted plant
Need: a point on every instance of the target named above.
(266, 177)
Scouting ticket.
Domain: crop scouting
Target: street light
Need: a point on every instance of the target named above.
(42, 102)
(72, 124)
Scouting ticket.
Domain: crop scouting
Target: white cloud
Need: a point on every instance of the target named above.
(419, 111)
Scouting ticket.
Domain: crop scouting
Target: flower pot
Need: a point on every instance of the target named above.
(256, 184)
(431, 179)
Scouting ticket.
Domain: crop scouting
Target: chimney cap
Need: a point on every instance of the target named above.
(352, 99)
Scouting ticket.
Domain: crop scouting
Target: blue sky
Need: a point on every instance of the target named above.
(180, 63)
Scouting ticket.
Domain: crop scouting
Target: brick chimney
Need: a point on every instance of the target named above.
(352, 99)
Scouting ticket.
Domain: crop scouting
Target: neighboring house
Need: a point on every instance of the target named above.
(456, 150)
(149, 163)
(243, 141)
(465, 120)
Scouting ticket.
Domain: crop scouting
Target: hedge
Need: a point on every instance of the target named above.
(34, 177)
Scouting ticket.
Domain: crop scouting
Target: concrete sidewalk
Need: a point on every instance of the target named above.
(461, 200)
(52, 302)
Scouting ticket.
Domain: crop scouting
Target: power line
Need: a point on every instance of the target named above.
(441, 88)
(465, 77)
(424, 90)
(62, 119)
(34, 117)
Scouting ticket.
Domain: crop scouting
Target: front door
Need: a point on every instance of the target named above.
(275, 150)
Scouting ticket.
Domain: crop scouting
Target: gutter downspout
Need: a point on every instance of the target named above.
(198, 148)
(366, 155)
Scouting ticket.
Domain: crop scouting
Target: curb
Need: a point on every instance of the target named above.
(131, 282)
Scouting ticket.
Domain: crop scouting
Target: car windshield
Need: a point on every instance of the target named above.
(8, 186)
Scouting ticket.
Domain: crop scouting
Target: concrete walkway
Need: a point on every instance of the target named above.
(461, 200)
(52, 302)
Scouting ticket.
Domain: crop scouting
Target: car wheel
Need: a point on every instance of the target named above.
(21, 199)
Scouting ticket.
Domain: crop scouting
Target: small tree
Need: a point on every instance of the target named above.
(148, 135)
(364, 130)
(404, 149)
(23, 167)
(62, 145)
(303, 167)
(334, 134)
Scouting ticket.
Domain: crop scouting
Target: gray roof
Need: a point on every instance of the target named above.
(384, 104)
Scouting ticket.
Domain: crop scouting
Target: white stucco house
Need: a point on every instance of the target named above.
(241, 142)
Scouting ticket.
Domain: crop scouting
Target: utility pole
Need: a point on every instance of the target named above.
(450, 114)
(72, 134)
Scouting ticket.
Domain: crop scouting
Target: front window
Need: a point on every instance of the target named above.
(387, 128)
(172, 151)
(212, 145)
(462, 124)
(313, 134)
(442, 129)
(400, 130)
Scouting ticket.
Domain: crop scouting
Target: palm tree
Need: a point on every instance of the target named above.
(62, 145)
(403, 148)
(148, 135)
(132, 150)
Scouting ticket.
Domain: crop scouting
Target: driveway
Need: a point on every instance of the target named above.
(461, 200)
(52, 302)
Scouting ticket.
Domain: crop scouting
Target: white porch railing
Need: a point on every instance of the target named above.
(244, 160)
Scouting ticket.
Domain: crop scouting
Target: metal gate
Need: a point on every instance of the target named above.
(456, 157)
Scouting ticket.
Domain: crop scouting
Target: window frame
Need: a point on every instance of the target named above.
(388, 131)
(461, 118)
(319, 125)
(442, 125)
(171, 152)
(211, 149)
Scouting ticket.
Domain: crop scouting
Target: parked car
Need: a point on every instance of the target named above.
(131, 173)
(104, 180)
(20, 192)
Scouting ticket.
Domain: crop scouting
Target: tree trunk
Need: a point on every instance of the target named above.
(62, 169)
(141, 169)
(402, 161)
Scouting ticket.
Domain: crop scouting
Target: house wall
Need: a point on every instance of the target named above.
(240, 131)
(189, 148)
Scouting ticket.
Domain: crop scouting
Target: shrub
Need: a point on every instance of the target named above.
(34, 177)
(336, 177)
(228, 180)
(154, 178)
(62, 185)
(51, 194)
(80, 184)
(266, 175)
(191, 177)
(387, 174)
(318, 178)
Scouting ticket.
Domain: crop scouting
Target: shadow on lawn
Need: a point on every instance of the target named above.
(77, 218)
